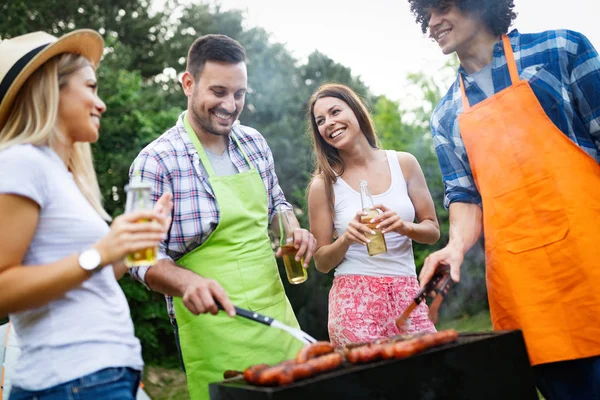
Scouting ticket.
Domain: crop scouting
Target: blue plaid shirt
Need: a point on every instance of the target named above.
(563, 69)
(172, 164)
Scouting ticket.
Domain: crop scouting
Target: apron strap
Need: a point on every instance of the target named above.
(465, 99)
(510, 60)
(512, 69)
(200, 149)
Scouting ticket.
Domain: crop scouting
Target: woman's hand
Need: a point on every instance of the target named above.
(136, 231)
(389, 221)
(355, 233)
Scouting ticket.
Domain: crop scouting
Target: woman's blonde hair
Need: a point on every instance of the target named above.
(328, 162)
(33, 120)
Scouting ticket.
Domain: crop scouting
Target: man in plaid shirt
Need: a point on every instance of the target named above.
(225, 194)
(518, 141)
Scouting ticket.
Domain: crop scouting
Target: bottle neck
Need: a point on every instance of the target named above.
(365, 198)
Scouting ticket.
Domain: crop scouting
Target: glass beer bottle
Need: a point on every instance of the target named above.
(138, 198)
(295, 271)
(377, 243)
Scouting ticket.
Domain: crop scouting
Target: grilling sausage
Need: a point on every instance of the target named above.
(327, 362)
(251, 373)
(313, 350)
(271, 375)
(399, 349)
(230, 373)
(320, 357)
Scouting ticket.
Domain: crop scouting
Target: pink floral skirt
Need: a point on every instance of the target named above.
(364, 308)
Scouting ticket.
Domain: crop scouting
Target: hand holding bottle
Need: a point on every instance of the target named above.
(357, 232)
(389, 221)
(376, 244)
(127, 235)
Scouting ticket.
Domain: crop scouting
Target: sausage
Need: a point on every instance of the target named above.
(270, 376)
(366, 353)
(326, 362)
(406, 348)
(313, 350)
(251, 373)
(229, 373)
(286, 376)
(304, 370)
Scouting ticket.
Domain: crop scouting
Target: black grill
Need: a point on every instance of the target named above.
(479, 366)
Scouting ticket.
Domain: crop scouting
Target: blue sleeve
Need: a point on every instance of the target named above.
(585, 84)
(456, 172)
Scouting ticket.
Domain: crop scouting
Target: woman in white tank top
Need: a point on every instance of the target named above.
(368, 292)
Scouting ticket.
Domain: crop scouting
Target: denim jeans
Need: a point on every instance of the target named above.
(566, 380)
(107, 384)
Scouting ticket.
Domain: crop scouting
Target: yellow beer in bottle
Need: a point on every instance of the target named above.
(377, 243)
(295, 270)
(138, 198)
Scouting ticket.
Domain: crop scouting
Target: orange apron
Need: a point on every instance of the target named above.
(541, 217)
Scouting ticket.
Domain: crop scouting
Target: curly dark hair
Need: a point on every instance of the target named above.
(495, 14)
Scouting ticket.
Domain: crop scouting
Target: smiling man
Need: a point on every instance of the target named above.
(518, 140)
(225, 193)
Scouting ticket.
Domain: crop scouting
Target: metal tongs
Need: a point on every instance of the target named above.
(437, 288)
(263, 319)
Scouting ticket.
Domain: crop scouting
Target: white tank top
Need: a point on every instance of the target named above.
(399, 259)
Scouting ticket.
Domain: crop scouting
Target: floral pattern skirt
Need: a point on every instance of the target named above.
(364, 308)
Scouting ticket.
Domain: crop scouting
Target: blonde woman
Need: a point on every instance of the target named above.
(367, 292)
(58, 257)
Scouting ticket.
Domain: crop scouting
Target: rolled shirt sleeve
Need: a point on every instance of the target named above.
(454, 164)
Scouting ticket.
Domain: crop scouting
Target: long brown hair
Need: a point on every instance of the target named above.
(328, 162)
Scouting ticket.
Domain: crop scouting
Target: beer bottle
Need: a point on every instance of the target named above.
(377, 241)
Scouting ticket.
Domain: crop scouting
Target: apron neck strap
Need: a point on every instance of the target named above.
(512, 69)
(200, 149)
(510, 60)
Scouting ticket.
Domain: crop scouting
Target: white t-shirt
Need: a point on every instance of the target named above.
(89, 328)
(399, 259)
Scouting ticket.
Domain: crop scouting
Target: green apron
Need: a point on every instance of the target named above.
(239, 256)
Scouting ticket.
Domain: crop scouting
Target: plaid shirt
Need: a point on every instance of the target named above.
(172, 164)
(563, 69)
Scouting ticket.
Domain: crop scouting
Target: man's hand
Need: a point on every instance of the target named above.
(449, 255)
(201, 296)
(306, 244)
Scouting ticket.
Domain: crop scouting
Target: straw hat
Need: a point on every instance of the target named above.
(22, 55)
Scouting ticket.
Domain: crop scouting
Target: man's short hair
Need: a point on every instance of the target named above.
(497, 15)
(213, 48)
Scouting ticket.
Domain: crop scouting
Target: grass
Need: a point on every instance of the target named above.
(165, 384)
(475, 323)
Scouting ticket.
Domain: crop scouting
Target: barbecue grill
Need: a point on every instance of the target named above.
(486, 365)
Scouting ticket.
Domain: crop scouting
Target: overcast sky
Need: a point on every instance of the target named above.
(379, 40)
